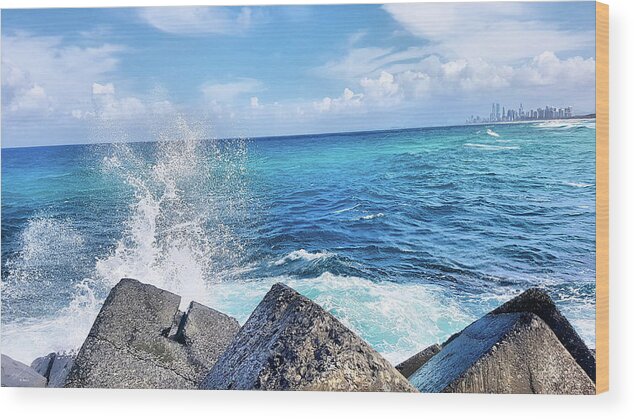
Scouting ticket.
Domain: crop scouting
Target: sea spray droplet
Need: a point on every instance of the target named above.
(47, 247)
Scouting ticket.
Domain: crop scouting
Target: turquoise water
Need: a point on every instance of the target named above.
(407, 235)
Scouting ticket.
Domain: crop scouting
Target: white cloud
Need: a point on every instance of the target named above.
(109, 106)
(495, 31)
(228, 92)
(198, 20)
(365, 61)
(42, 75)
(22, 95)
(547, 69)
(356, 37)
(107, 89)
(382, 87)
(431, 75)
(255, 102)
(78, 114)
(348, 100)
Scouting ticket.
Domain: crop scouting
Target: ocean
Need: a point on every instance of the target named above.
(406, 236)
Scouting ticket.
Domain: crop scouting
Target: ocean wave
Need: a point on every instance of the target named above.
(179, 233)
(490, 146)
(302, 254)
(492, 133)
(186, 195)
(398, 320)
(566, 124)
(371, 216)
(578, 184)
(346, 209)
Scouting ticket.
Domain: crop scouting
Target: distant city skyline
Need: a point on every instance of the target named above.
(500, 113)
(121, 74)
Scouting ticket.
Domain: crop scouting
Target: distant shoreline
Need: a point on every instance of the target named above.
(343, 133)
(576, 118)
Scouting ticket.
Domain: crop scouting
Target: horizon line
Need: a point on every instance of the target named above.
(281, 136)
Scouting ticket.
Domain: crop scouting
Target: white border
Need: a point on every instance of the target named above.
(177, 405)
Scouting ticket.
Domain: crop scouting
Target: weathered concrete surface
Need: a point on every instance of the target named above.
(17, 374)
(291, 343)
(135, 341)
(538, 302)
(54, 367)
(504, 353)
(414, 363)
(206, 333)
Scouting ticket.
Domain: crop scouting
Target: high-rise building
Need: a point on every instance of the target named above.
(500, 113)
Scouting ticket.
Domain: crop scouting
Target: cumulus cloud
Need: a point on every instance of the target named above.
(107, 89)
(43, 75)
(198, 20)
(62, 87)
(255, 102)
(21, 95)
(348, 100)
(382, 87)
(228, 92)
(431, 77)
(109, 106)
(495, 31)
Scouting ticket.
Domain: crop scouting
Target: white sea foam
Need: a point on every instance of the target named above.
(371, 216)
(490, 146)
(60, 331)
(566, 124)
(397, 319)
(578, 184)
(46, 245)
(346, 209)
(492, 133)
(302, 254)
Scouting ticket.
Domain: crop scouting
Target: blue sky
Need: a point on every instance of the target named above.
(86, 75)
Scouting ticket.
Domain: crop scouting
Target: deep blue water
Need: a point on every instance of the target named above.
(407, 236)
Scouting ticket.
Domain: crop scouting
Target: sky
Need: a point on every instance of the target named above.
(100, 75)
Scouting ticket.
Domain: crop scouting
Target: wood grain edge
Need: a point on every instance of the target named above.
(602, 198)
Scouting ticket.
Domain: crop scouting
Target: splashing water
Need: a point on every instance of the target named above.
(179, 233)
(186, 196)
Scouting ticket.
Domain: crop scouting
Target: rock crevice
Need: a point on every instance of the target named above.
(137, 341)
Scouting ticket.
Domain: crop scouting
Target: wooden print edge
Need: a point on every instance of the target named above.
(602, 197)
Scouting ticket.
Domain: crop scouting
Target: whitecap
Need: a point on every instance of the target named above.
(566, 124)
(346, 209)
(492, 133)
(371, 216)
(302, 254)
(398, 320)
(490, 146)
(578, 184)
